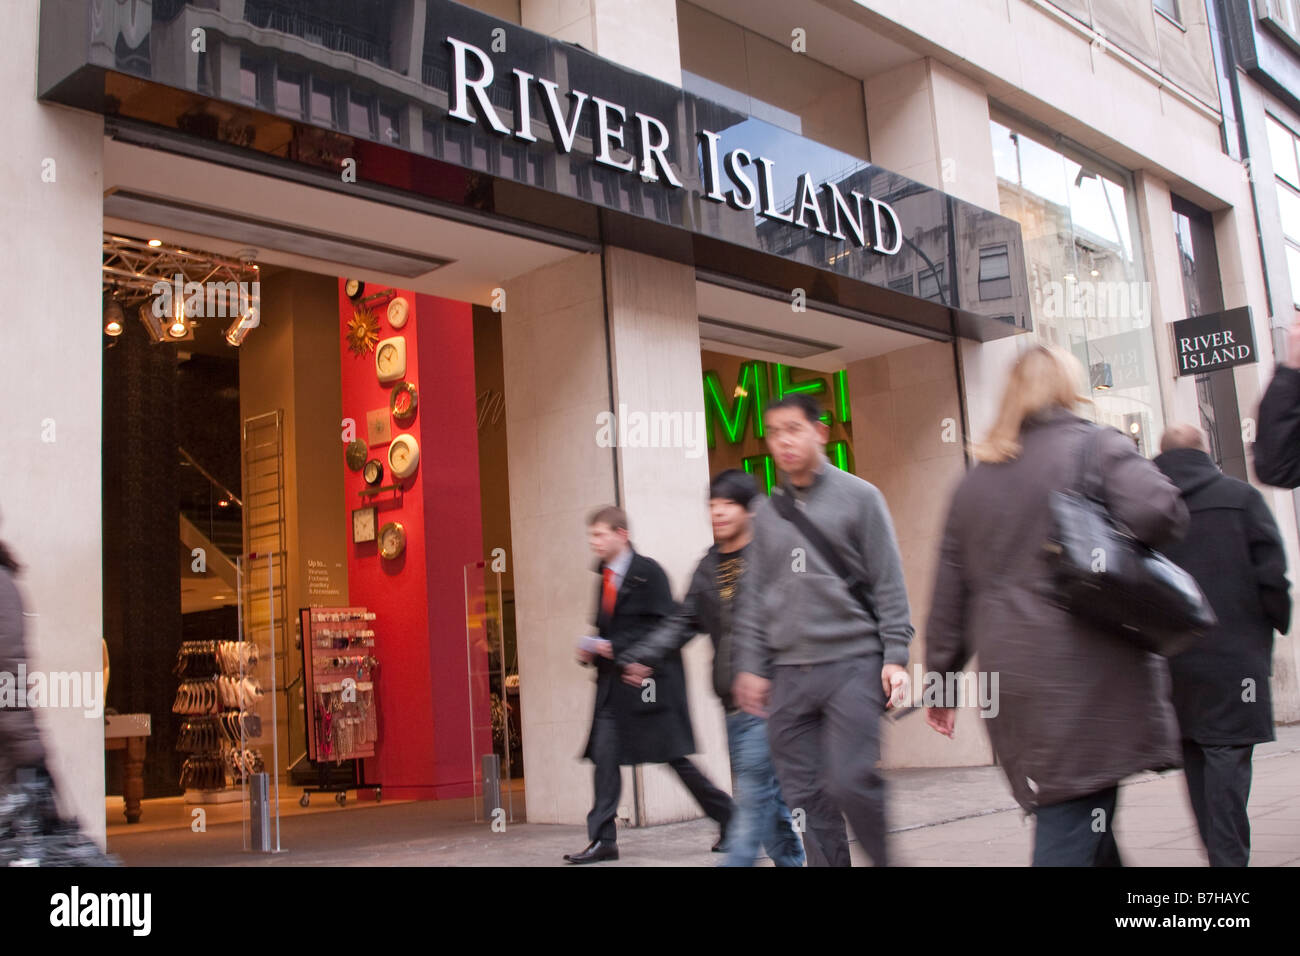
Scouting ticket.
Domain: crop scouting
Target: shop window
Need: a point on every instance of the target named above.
(903, 285)
(322, 103)
(995, 272)
(1087, 283)
(931, 284)
(390, 127)
(204, 73)
(288, 93)
(1293, 270)
(735, 67)
(248, 80)
(361, 120)
(1282, 150)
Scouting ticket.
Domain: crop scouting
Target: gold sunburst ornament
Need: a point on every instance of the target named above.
(363, 331)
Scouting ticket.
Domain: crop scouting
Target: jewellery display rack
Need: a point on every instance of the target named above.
(340, 695)
(215, 699)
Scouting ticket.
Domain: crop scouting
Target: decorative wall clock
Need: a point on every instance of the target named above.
(373, 472)
(354, 289)
(402, 402)
(392, 540)
(403, 455)
(363, 331)
(356, 454)
(364, 524)
(379, 427)
(390, 358)
(398, 310)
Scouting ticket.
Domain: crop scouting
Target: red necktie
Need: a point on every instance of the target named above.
(609, 594)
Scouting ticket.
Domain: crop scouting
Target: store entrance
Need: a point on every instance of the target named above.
(892, 402)
(305, 487)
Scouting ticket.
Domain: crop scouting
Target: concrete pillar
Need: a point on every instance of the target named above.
(564, 365)
(655, 361)
(638, 34)
(556, 383)
(51, 401)
(931, 124)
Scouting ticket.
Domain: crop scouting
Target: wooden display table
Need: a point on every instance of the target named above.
(130, 732)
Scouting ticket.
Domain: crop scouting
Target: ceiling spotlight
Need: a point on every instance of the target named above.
(152, 321)
(114, 317)
(155, 243)
(250, 316)
(179, 328)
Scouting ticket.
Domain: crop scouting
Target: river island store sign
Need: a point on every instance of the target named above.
(483, 106)
(1207, 343)
(750, 177)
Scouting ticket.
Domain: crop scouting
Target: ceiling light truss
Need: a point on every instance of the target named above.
(134, 268)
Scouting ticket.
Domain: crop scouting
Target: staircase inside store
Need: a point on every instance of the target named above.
(211, 523)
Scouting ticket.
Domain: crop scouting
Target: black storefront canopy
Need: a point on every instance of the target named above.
(478, 114)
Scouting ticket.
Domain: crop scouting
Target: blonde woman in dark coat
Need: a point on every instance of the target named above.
(1079, 709)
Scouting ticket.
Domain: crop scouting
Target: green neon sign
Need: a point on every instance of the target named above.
(750, 401)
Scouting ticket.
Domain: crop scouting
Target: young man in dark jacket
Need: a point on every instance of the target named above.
(1221, 684)
(1277, 439)
(762, 816)
(633, 725)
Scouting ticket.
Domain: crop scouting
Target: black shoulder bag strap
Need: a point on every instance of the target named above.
(788, 509)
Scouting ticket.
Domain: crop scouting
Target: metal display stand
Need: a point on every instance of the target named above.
(340, 697)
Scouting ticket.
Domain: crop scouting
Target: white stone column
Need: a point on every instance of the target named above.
(655, 350)
(51, 400)
(556, 383)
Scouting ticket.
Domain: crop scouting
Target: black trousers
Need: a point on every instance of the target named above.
(824, 734)
(1078, 832)
(1218, 783)
(609, 783)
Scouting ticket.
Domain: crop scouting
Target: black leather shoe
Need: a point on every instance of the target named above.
(595, 853)
(721, 845)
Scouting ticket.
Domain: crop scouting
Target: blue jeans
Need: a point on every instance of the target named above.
(762, 817)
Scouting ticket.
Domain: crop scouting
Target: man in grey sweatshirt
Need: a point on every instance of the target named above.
(821, 664)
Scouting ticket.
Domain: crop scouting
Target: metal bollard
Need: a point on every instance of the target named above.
(491, 785)
(259, 797)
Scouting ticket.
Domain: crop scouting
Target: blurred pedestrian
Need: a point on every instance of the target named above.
(20, 738)
(762, 818)
(822, 633)
(1079, 708)
(1221, 684)
(1277, 438)
(633, 725)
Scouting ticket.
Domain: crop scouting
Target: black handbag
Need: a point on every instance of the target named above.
(1107, 577)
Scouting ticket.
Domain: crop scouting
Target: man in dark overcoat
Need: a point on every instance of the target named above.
(631, 725)
(1221, 684)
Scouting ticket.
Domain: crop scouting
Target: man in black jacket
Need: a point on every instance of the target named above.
(649, 723)
(763, 817)
(1221, 684)
(1277, 440)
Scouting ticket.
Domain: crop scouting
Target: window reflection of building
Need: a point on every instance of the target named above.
(1087, 287)
(724, 62)
(1284, 150)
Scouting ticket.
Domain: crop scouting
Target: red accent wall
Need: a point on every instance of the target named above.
(424, 709)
